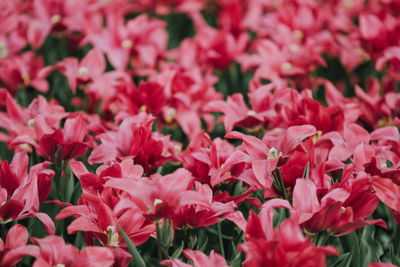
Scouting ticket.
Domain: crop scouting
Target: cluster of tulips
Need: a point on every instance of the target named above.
(200, 133)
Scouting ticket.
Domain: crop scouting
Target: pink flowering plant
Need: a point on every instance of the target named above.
(200, 133)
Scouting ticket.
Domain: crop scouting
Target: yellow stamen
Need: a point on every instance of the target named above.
(83, 71)
(317, 136)
(25, 77)
(127, 44)
(157, 202)
(177, 149)
(348, 4)
(363, 53)
(385, 121)
(251, 113)
(298, 34)
(55, 19)
(31, 123)
(143, 108)
(171, 112)
(286, 66)
(274, 153)
(3, 49)
(25, 147)
(112, 236)
(294, 48)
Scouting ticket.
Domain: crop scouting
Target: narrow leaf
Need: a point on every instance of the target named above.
(136, 257)
(306, 173)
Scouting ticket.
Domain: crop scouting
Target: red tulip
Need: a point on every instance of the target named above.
(283, 246)
(389, 193)
(198, 259)
(15, 247)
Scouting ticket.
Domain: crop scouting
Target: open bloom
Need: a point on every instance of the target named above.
(159, 196)
(15, 243)
(133, 139)
(282, 246)
(24, 70)
(140, 41)
(52, 251)
(19, 121)
(342, 210)
(80, 73)
(199, 259)
(55, 143)
(22, 192)
(198, 209)
(389, 193)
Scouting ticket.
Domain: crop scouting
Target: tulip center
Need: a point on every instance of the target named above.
(157, 202)
(348, 4)
(294, 48)
(298, 34)
(3, 49)
(385, 121)
(112, 236)
(25, 77)
(286, 66)
(177, 149)
(55, 19)
(317, 136)
(143, 108)
(83, 71)
(31, 123)
(273, 153)
(363, 53)
(126, 44)
(25, 147)
(170, 116)
(251, 113)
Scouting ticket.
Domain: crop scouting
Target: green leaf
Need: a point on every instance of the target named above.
(166, 234)
(238, 189)
(220, 239)
(136, 257)
(393, 257)
(203, 246)
(69, 184)
(192, 241)
(306, 173)
(178, 251)
(350, 243)
(215, 232)
(237, 260)
(370, 248)
(344, 260)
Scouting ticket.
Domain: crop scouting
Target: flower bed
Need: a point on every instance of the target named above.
(205, 133)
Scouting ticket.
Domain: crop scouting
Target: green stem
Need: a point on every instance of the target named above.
(136, 257)
(23, 97)
(283, 189)
(3, 231)
(282, 185)
(162, 250)
(158, 240)
(56, 194)
(221, 242)
(275, 182)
